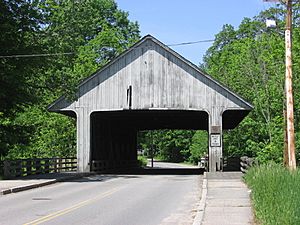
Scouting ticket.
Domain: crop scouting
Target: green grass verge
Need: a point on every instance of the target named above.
(275, 193)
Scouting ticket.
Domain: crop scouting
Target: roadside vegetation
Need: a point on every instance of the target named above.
(76, 38)
(142, 161)
(275, 194)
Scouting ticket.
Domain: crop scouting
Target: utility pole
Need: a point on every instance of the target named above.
(289, 116)
(289, 88)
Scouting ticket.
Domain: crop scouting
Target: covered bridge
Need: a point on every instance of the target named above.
(149, 86)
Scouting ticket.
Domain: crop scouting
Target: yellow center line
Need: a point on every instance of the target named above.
(72, 208)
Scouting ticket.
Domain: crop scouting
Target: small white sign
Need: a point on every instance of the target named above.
(215, 140)
(271, 23)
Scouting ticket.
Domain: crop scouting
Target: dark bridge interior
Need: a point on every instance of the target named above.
(114, 133)
(153, 119)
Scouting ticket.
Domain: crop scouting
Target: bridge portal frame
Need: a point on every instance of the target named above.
(150, 76)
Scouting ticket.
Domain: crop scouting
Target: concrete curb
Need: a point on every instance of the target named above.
(201, 208)
(41, 184)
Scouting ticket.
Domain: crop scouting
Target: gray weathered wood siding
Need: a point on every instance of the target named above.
(159, 79)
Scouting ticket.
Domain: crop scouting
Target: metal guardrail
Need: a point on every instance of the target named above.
(25, 167)
(102, 165)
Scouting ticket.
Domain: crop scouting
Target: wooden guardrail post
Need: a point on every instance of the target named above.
(28, 167)
(37, 166)
(18, 168)
(47, 165)
(55, 165)
(59, 165)
(6, 169)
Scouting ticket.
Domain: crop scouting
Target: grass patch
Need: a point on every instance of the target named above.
(142, 161)
(275, 194)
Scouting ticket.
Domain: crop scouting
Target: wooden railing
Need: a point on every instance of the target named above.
(102, 165)
(25, 167)
(231, 163)
(246, 163)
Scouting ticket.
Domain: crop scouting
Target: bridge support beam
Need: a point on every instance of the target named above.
(83, 140)
(215, 149)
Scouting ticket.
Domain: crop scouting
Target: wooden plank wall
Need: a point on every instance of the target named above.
(158, 80)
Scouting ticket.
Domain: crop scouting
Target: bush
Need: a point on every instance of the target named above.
(142, 161)
(199, 146)
(275, 194)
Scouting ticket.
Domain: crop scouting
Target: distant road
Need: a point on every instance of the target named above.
(107, 200)
(158, 164)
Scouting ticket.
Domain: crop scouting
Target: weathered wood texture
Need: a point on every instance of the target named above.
(150, 76)
(159, 79)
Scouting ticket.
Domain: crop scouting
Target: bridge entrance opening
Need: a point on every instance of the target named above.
(114, 135)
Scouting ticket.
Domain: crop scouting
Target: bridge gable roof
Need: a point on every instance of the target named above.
(151, 75)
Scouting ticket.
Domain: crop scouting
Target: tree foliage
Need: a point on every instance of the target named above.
(199, 146)
(251, 61)
(175, 145)
(78, 37)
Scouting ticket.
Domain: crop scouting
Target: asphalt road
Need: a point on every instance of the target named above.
(108, 200)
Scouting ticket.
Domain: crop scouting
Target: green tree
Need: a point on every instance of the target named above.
(168, 145)
(250, 60)
(19, 26)
(86, 35)
(199, 146)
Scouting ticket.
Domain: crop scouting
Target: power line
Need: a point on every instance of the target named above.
(72, 53)
(192, 42)
(36, 55)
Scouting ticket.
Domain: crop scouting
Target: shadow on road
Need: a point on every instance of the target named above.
(126, 173)
(134, 173)
(157, 171)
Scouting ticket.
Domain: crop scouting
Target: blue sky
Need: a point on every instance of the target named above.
(177, 21)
